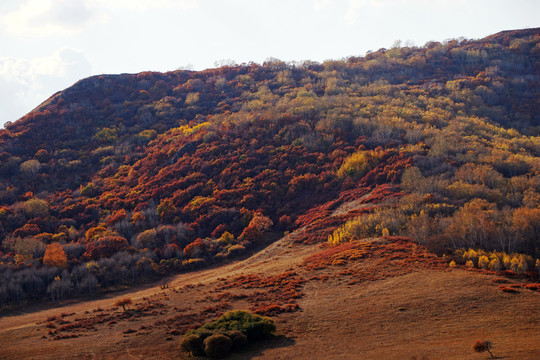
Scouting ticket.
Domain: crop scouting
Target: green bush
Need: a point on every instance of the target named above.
(192, 344)
(239, 340)
(217, 346)
(255, 327)
(231, 332)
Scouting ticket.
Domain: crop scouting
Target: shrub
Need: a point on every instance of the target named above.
(494, 260)
(124, 303)
(230, 332)
(217, 346)
(238, 339)
(508, 289)
(255, 327)
(192, 344)
(235, 250)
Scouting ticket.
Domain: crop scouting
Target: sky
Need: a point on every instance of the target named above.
(48, 45)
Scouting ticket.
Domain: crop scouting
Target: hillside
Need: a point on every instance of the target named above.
(125, 179)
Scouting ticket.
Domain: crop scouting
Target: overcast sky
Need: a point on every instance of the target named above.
(47, 45)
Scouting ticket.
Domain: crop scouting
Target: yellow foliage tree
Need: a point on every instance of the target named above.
(483, 262)
(359, 164)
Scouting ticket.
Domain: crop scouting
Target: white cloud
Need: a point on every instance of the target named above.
(25, 83)
(321, 4)
(145, 5)
(42, 18)
(356, 6)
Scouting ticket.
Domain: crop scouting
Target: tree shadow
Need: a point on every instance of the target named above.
(255, 349)
(258, 348)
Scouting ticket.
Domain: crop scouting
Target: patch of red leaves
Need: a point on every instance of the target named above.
(181, 323)
(319, 230)
(513, 288)
(319, 223)
(382, 193)
(533, 287)
(508, 289)
(100, 317)
(374, 260)
(323, 211)
(272, 310)
(272, 295)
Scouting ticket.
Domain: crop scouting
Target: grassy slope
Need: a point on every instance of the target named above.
(392, 303)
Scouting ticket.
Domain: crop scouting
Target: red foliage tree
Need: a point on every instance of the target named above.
(105, 247)
(195, 250)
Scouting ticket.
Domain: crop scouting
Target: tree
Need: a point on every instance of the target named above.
(95, 232)
(411, 179)
(36, 207)
(166, 210)
(106, 135)
(359, 164)
(30, 167)
(195, 250)
(104, 247)
(89, 190)
(42, 155)
(473, 225)
(260, 222)
(526, 223)
(29, 247)
(481, 346)
(147, 239)
(55, 256)
(59, 288)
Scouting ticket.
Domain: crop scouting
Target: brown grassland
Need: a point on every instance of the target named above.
(385, 298)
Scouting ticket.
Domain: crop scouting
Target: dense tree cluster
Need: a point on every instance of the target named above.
(132, 176)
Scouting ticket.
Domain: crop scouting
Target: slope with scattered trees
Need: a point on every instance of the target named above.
(137, 176)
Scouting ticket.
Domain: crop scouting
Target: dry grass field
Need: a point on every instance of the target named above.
(381, 299)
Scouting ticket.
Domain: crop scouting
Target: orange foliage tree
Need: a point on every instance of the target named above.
(55, 255)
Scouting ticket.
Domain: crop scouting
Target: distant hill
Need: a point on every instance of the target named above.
(141, 175)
